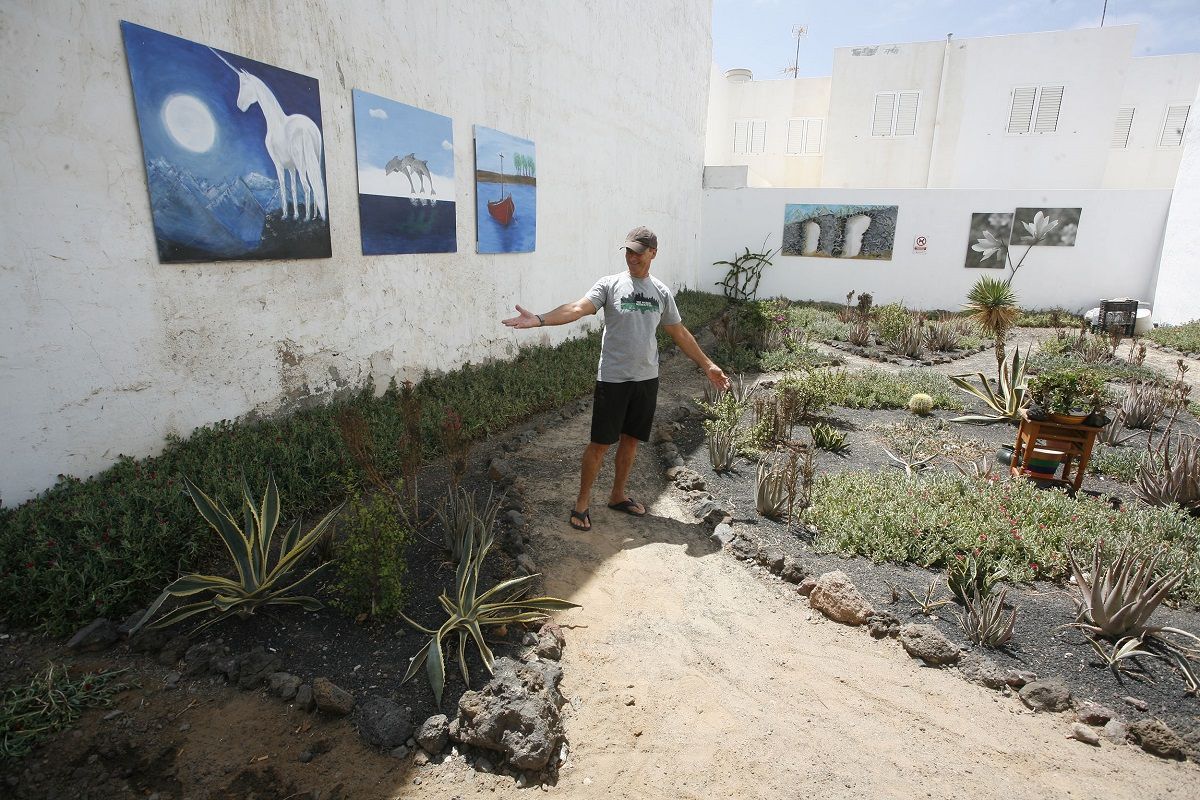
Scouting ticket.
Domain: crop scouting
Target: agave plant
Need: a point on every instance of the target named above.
(771, 490)
(470, 611)
(1118, 600)
(985, 622)
(1006, 399)
(463, 523)
(258, 582)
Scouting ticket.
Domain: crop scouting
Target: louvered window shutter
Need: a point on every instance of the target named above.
(795, 137)
(812, 137)
(885, 107)
(1021, 113)
(1120, 137)
(1049, 104)
(906, 113)
(1173, 126)
(739, 137)
(758, 136)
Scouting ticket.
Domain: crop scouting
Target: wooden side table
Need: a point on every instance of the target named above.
(1076, 441)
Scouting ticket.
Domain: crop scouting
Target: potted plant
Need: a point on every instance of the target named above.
(1067, 396)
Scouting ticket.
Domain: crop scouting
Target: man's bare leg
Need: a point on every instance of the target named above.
(626, 450)
(593, 459)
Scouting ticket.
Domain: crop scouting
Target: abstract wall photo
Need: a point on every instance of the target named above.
(989, 236)
(233, 151)
(505, 193)
(406, 199)
(839, 231)
(1060, 226)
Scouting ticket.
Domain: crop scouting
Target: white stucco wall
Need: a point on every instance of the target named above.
(1120, 237)
(973, 147)
(106, 351)
(1151, 84)
(853, 157)
(1178, 279)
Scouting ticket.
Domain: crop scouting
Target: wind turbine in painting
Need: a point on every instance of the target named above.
(233, 150)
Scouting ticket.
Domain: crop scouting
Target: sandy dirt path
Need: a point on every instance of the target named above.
(690, 677)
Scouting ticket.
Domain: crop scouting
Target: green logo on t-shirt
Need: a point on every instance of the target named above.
(638, 302)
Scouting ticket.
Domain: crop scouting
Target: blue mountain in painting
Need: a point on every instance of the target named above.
(225, 219)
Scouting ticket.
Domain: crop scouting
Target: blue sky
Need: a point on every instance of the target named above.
(385, 128)
(489, 143)
(757, 34)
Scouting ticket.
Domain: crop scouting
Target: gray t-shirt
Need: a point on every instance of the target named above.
(633, 308)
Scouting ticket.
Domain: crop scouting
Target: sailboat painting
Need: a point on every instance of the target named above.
(505, 193)
(406, 199)
(233, 149)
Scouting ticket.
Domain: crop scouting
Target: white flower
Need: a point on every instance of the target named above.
(1040, 227)
(989, 245)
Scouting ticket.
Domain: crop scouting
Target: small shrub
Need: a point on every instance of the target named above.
(891, 321)
(920, 404)
(1184, 337)
(370, 562)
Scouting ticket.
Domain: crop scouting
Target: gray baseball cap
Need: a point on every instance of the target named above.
(639, 239)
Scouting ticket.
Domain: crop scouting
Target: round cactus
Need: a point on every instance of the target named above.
(920, 404)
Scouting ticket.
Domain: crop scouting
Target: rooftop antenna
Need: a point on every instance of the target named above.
(798, 33)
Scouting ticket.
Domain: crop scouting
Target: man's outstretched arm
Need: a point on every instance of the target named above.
(567, 312)
(687, 343)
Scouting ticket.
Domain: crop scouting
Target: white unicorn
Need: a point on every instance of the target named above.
(293, 143)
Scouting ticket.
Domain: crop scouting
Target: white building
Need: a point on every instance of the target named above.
(1058, 110)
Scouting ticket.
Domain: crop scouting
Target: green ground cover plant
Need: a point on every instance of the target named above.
(1048, 318)
(48, 702)
(1014, 525)
(89, 548)
(1120, 463)
(1116, 370)
(872, 388)
(1184, 337)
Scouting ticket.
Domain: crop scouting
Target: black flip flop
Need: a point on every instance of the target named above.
(627, 506)
(583, 517)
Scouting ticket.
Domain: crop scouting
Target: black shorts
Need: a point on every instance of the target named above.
(626, 408)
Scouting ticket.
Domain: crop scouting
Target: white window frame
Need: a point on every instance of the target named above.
(1162, 127)
(755, 131)
(806, 137)
(1035, 111)
(897, 95)
(1132, 113)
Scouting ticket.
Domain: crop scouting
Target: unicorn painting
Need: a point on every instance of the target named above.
(293, 143)
(226, 182)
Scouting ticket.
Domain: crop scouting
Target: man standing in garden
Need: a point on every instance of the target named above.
(626, 391)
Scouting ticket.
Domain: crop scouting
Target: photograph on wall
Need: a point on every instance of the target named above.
(839, 231)
(1058, 226)
(405, 177)
(505, 193)
(233, 152)
(988, 245)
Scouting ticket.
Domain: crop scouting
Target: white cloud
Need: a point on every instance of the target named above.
(446, 145)
(378, 113)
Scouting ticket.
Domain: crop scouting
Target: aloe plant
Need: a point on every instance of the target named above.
(1006, 399)
(971, 576)
(721, 449)
(462, 523)
(258, 582)
(771, 490)
(1117, 600)
(985, 622)
(470, 611)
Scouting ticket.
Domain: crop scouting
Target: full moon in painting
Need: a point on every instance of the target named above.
(189, 122)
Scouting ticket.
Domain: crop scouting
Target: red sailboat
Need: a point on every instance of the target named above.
(502, 210)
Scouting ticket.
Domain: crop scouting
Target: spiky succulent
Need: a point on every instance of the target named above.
(985, 622)
(771, 490)
(1117, 600)
(721, 450)
(1006, 399)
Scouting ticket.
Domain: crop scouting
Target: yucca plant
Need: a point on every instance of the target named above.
(463, 522)
(1006, 400)
(258, 582)
(721, 449)
(771, 490)
(992, 305)
(470, 611)
(985, 622)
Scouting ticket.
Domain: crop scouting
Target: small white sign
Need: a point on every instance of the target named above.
(920, 244)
